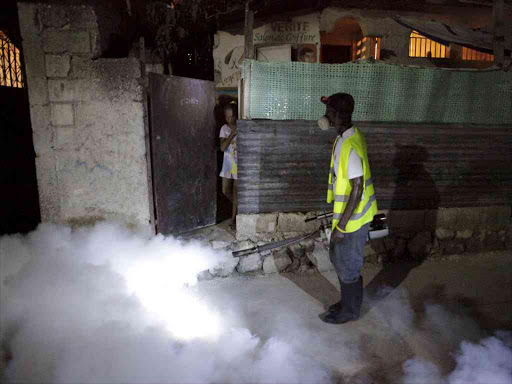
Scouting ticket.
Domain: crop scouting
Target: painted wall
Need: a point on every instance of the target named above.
(87, 118)
(395, 38)
(228, 52)
(229, 49)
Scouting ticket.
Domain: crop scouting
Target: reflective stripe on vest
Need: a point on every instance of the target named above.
(344, 198)
(367, 207)
(357, 216)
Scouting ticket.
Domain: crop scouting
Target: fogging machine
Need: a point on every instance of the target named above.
(377, 230)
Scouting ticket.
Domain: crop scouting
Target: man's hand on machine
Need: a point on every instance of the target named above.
(337, 236)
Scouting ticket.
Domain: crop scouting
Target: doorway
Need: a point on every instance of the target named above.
(19, 197)
(336, 54)
(340, 45)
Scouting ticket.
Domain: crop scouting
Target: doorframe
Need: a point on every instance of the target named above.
(153, 221)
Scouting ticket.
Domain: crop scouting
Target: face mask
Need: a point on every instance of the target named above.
(323, 123)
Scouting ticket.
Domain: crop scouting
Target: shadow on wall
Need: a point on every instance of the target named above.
(414, 186)
(414, 190)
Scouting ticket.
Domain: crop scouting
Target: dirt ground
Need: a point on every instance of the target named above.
(421, 311)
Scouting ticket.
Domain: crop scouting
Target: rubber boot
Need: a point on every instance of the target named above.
(352, 300)
(359, 296)
(336, 307)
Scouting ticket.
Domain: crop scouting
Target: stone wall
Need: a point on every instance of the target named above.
(415, 236)
(87, 119)
(444, 232)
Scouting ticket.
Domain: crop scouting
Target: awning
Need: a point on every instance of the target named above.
(477, 39)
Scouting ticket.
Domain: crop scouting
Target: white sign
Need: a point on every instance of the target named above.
(301, 30)
(228, 56)
(228, 52)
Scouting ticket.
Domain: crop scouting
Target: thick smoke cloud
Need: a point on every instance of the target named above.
(106, 305)
(488, 361)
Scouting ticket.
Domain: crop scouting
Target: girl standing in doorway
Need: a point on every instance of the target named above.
(229, 166)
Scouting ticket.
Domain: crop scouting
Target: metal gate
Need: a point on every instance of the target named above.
(10, 63)
(182, 131)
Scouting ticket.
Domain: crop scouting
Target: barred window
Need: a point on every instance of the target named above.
(361, 49)
(420, 46)
(471, 54)
(10, 65)
(368, 47)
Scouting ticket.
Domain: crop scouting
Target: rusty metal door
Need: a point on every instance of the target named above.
(182, 129)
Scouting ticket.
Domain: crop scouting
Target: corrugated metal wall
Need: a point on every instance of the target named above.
(283, 165)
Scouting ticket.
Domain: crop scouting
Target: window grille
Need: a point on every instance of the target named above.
(420, 46)
(10, 64)
(471, 54)
(368, 47)
(360, 53)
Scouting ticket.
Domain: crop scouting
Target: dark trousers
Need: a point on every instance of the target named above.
(347, 256)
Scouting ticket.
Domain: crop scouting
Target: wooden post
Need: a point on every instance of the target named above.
(248, 54)
(498, 32)
(240, 98)
(249, 22)
(247, 91)
(149, 167)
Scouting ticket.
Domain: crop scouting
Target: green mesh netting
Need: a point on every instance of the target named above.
(383, 92)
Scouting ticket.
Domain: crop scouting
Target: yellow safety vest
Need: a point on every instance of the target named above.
(367, 208)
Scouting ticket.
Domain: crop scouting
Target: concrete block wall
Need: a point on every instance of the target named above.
(87, 119)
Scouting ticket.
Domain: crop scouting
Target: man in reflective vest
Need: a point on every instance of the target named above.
(351, 189)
